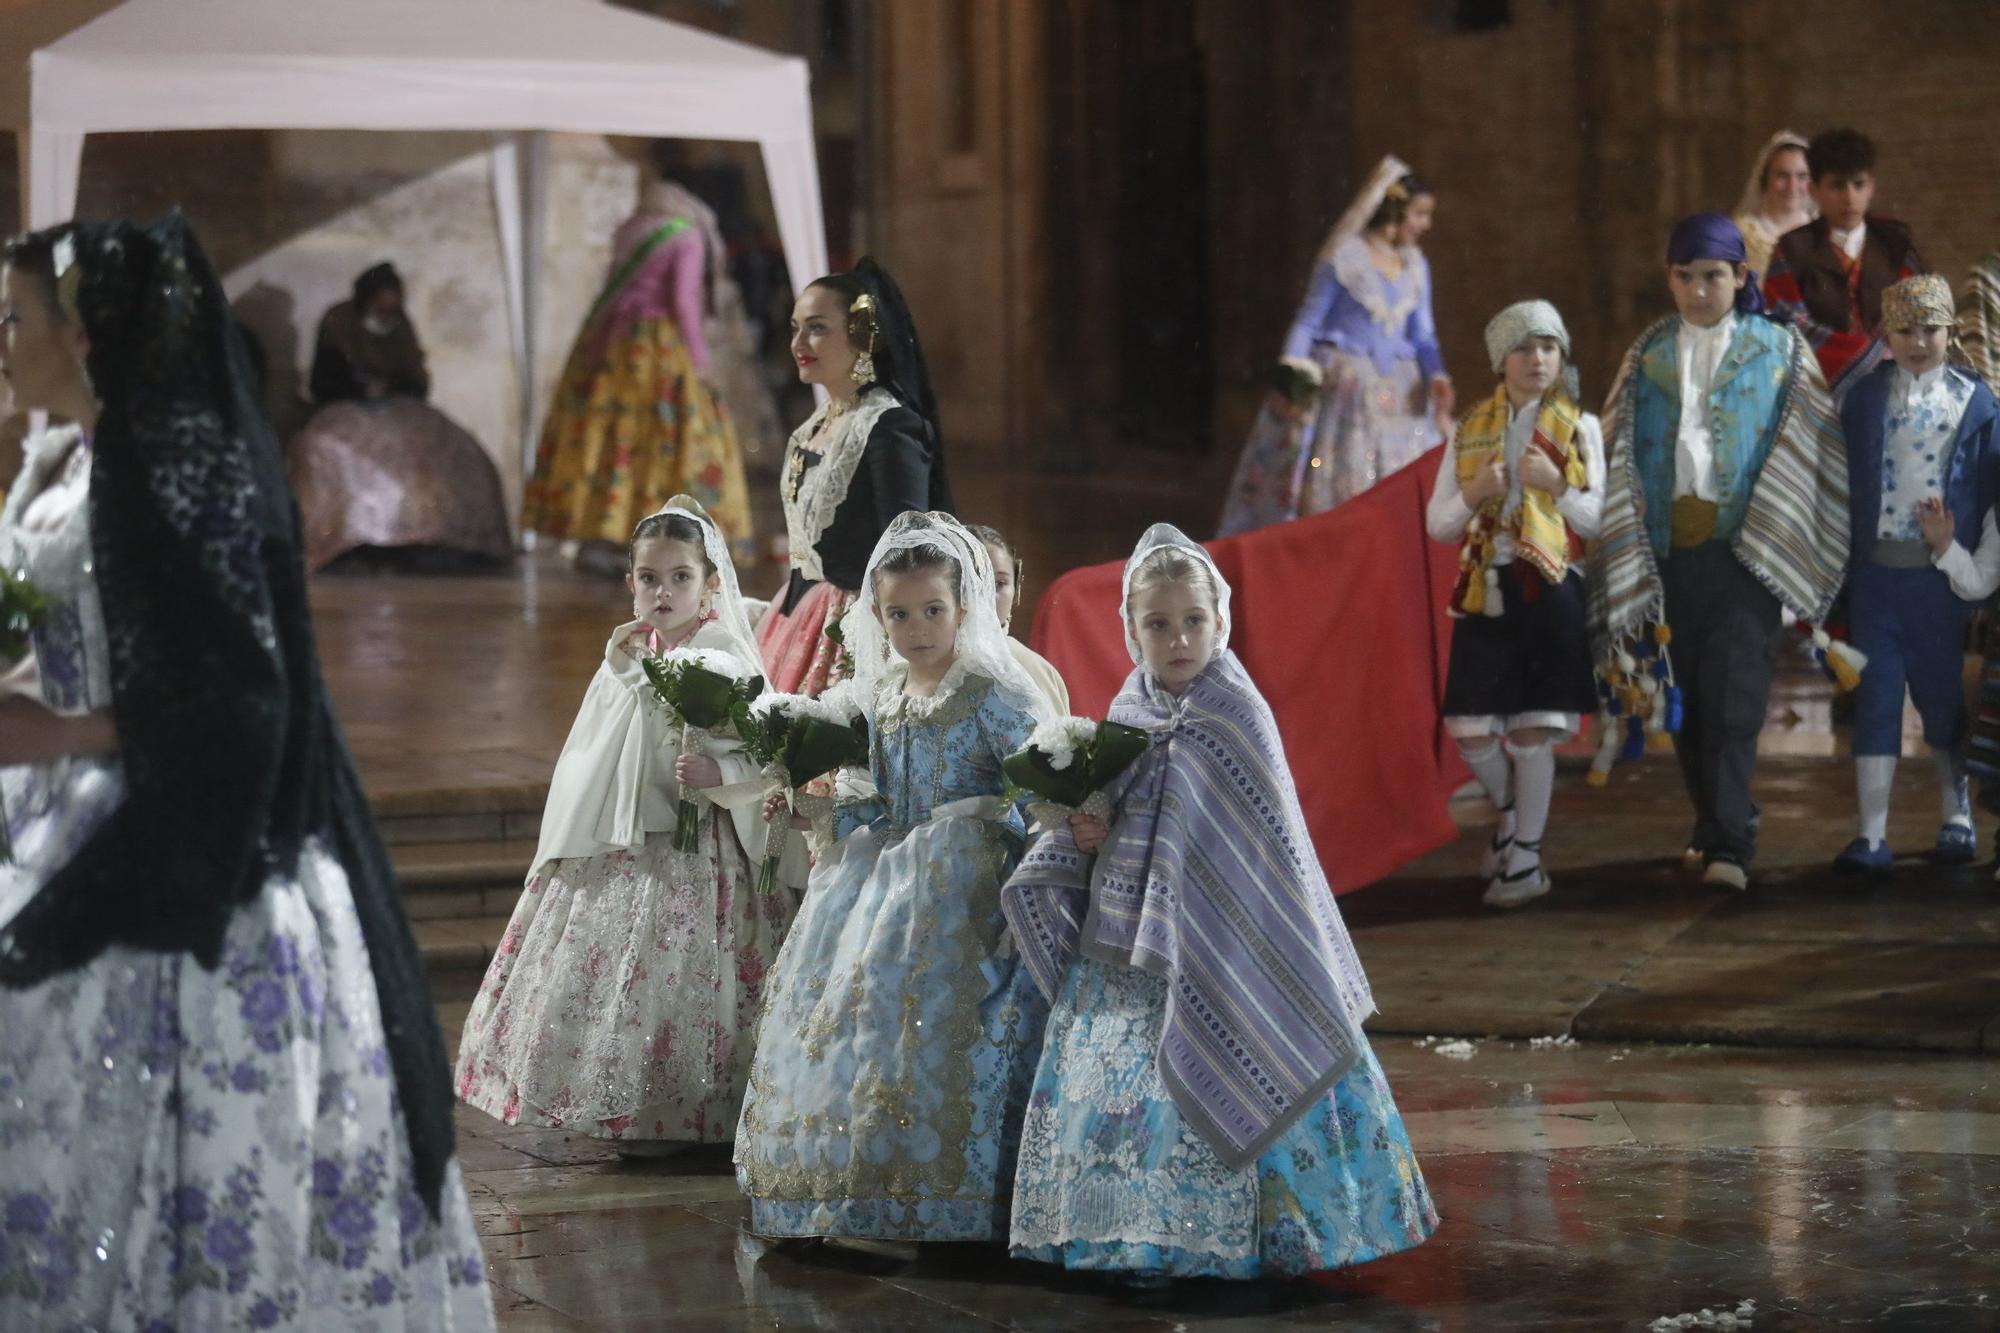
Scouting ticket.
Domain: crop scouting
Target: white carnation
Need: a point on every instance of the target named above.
(771, 701)
(1060, 739)
(836, 706)
(709, 659)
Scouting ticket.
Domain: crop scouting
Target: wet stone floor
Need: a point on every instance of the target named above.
(1789, 1097)
(1635, 1099)
(1586, 1187)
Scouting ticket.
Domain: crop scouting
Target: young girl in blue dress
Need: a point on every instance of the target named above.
(1206, 1104)
(899, 1031)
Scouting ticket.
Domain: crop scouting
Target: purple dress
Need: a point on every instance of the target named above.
(1374, 342)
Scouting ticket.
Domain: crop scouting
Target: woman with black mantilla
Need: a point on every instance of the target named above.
(224, 1101)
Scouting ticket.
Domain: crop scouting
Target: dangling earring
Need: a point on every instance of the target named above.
(862, 319)
(705, 608)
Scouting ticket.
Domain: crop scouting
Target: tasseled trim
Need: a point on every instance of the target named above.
(1641, 704)
(1842, 662)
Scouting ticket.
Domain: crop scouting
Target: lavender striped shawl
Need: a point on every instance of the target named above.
(1221, 894)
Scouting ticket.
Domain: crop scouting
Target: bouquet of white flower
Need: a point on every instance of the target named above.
(703, 688)
(797, 739)
(1067, 763)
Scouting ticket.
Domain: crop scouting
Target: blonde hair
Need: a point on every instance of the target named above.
(1164, 565)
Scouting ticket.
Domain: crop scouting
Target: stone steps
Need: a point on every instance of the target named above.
(460, 856)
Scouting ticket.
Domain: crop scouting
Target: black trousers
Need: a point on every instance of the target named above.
(1726, 628)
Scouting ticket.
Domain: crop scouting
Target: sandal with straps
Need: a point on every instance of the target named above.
(1496, 850)
(1520, 886)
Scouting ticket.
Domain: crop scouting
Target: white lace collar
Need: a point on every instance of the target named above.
(1388, 301)
(809, 509)
(920, 708)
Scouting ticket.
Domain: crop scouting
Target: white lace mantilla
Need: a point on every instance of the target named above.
(1372, 288)
(811, 505)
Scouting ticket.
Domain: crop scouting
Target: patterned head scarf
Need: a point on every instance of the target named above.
(1917, 302)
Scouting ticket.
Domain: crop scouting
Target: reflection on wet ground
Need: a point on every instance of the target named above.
(1667, 1099)
(1787, 1097)
(1587, 1187)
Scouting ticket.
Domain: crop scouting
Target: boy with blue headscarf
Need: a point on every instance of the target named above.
(1725, 501)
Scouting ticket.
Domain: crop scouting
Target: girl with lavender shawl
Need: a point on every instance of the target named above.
(1206, 1104)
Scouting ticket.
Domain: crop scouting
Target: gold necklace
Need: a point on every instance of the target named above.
(796, 475)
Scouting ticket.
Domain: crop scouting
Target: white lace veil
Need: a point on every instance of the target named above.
(1387, 172)
(728, 603)
(1752, 201)
(982, 644)
(1157, 537)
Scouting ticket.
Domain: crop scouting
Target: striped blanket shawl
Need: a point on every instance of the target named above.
(1220, 893)
(1795, 531)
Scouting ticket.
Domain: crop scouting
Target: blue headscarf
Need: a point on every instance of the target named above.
(1713, 236)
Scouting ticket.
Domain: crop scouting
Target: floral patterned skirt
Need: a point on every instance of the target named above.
(798, 657)
(1364, 425)
(1111, 1177)
(631, 427)
(188, 1149)
(624, 998)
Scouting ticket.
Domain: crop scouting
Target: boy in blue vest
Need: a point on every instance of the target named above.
(1725, 501)
(1924, 473)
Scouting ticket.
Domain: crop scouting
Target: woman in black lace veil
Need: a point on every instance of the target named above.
(223, 1095)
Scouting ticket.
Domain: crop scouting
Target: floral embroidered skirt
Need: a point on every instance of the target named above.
(623, 1000)
(1111, 1177)
(631, 427)
(1363, 425)
(798, 657)
(896, 1049)
(188, 1149)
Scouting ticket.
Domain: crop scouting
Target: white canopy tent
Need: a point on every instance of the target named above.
(517, 68)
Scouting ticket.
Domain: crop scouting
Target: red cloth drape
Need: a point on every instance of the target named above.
(1340, 619)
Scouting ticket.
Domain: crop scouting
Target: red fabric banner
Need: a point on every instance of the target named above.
(1340, 619)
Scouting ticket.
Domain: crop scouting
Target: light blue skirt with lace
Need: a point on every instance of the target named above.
(1112, 1178)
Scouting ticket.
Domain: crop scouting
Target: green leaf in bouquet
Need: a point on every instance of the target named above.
(1113, 750)
(762, 734)
(815, 747)
(660, 676)
(1029, 769)
(705, 696)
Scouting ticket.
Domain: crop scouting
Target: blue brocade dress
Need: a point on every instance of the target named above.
(899, 1033)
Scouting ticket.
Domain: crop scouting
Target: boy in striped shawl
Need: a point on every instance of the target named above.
(1725, 501)
(1520, 490)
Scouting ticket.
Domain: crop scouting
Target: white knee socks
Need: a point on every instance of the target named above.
(1873, 776)
(1534, 783)
(1496, 776)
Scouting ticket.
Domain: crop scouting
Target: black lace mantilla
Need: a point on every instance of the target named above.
(233, 757)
